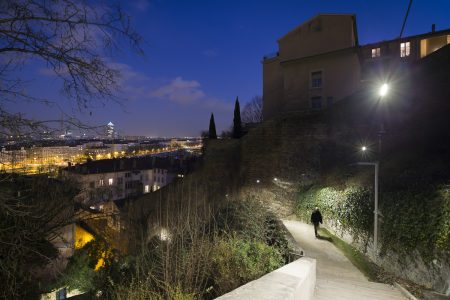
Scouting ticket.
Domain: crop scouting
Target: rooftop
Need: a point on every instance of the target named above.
(173, 165)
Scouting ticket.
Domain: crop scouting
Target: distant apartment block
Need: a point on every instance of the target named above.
(321, 62)
(113, 179)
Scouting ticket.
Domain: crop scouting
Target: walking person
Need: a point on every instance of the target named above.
(316, 218)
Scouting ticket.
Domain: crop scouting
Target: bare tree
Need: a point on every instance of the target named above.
(252, 112)
(32, 213)
(74, 38)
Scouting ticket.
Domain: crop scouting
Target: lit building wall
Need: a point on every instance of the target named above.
(82, 237)
(305, 50)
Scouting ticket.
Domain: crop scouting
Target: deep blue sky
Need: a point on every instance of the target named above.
(200, 55)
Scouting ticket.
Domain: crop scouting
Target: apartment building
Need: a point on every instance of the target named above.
(321, 62)
(113, 179)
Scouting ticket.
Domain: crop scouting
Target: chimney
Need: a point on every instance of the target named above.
(433, 27)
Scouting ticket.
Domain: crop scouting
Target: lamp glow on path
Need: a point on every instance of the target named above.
(383, 89)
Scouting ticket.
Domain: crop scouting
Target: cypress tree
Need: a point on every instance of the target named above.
(212, 128)
(237, 125)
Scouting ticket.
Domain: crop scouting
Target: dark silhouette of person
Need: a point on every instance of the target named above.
(316, 218)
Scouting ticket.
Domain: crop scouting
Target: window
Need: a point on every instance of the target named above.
(316, 102)
(405, 49)
(316, 79)
(110, 181)
(92, 184)
(101, 183)
(119, 180)
(376, 52)
(329, 101)
(146, 188)
(127, 175)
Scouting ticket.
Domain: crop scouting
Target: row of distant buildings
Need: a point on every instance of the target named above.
(321, 62)
(40, 159)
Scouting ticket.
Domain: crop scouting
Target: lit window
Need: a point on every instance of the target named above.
(110, 181)
(101, 182)
(146, 188)
(405, 49)
(316, 79)
(376, 52)
(316, 102)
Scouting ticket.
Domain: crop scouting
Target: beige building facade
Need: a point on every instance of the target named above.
(321, 62)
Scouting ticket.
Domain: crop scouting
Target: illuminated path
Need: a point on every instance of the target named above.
(337, 278)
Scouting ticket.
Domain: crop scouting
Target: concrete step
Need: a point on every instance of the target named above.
(348, 289)
(345, 294)
(357, 283)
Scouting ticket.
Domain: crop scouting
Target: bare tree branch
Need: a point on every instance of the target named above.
(252, 112)
(73, 38)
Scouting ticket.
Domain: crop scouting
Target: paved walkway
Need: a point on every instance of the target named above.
(337, 278)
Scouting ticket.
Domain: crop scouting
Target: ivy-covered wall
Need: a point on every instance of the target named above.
(414, 225)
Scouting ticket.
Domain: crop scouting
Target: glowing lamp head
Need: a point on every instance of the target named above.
(383, 89)
(363, 148)
(257, 181)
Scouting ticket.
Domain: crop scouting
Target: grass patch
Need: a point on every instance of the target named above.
(369, 269)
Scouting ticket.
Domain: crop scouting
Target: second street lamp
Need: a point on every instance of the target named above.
(376, 164)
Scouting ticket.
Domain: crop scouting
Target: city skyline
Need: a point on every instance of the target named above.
(183, 76)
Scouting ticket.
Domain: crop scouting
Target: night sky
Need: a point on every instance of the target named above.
(200, 55)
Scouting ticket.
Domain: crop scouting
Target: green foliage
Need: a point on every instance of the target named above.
(237, 261)
(246, 218)
(416, 218)
(351, 207)
(79, 273)
(413, 218)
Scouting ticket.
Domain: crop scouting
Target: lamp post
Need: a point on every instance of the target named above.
(376, 164)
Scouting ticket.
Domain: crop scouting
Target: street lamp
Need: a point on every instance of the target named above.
(376, 164)
(384, 88)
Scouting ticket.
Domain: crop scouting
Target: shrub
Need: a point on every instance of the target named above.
(237, 261)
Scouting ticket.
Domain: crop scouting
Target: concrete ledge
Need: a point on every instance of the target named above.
(404, 291)
(296, 280)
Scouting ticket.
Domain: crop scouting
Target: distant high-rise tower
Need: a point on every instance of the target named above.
(110, 133)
